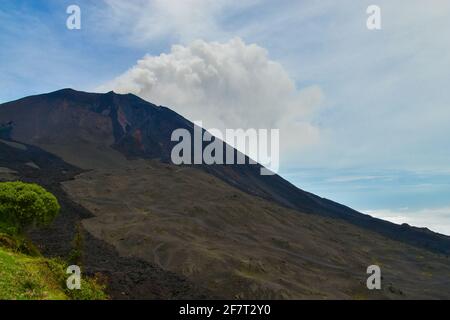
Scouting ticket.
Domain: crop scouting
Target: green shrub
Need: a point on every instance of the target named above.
(24, 204)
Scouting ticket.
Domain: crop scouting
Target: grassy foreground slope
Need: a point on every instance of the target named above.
(24, 273)
(31, 277)
(23, 277)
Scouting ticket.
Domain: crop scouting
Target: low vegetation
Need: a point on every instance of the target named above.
(24, 273)
(24, 204)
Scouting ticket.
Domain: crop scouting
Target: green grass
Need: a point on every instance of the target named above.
(23, 278)
(27, 277)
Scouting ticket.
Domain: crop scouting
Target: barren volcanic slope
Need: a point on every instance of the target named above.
(157, 230)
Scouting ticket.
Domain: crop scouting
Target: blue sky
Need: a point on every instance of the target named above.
(375, 109)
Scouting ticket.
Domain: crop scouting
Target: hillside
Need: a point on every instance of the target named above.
(161, 231)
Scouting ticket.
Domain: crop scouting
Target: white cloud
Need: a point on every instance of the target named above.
(436, 219)
(225, 85)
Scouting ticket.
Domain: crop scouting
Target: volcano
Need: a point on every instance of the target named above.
(157, 230)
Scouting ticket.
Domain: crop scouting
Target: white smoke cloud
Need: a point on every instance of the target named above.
(226, 85)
